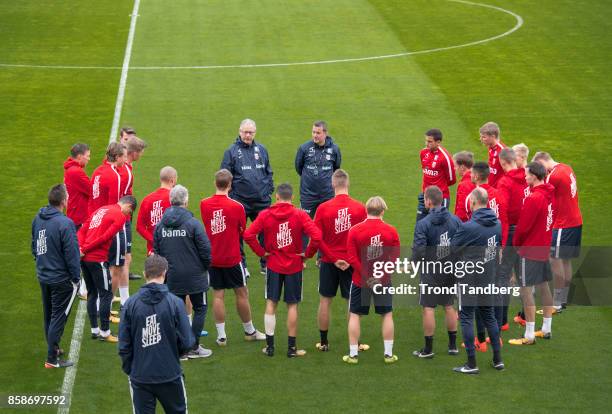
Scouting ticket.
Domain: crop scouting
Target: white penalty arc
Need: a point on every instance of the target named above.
(518, 24)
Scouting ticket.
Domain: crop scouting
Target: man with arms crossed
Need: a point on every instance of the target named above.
(56, 251)
(335, 218)
(369, 241)
(225, 222)
(532, 238)
(283, 226)
(154, 331)
(567, 225)
(438, 169)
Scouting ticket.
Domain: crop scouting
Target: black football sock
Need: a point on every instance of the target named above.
(496, 357)
(291, 341)
(471, 362)
(270, 341)
(452, 339)
(482, 337)
(323, 336)
(428, 344)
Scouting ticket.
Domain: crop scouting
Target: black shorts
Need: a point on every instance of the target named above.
(118, 248)
(509, 262)
(533, 272)
(227, 277)
(360, 300)
(566, 243)
(128, 236)
(431, 300)
(330, 277)
(292, 283)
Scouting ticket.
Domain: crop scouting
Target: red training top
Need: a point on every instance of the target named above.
(464, 189)
(225, 222)
(79, 189)
(565, 201)
(496, 170)
(151, 211)
(533, 233)
(96, 235)
(512, 189)
(105, 187)
(438, 169)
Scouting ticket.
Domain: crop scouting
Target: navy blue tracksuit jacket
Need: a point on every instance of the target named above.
(315, 164)
(250, 166)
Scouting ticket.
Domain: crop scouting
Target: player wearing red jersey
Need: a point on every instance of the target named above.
(532, 238)
(106, 179)
(225, 222)
(479, 174)
(567, 225)
(438, 169)
(95, 238)
(335, 218)
(464, 161)
(77, 183)
(368, 242)
(152, 207)
(490, 137)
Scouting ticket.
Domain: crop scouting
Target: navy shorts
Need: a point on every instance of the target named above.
(566, 243)
(360, 300)
(431, 300)
(227, 277)
(292, 283)
(128, 236)
(118, 248)
(533, 272)
(330, 277)
(509, 262)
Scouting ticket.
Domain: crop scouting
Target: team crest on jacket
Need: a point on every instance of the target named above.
(343, 222)
(375, 249)
(151, 334)
(217, 223)
(41, 242)
(283, 237)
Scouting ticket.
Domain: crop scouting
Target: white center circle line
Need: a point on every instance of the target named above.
(518, 18)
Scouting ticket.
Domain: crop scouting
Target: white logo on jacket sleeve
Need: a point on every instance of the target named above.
(95, 192)
(96, 220)
(491, 250)
(443, 249)
(526, 193)
(494, 206)
(217, 223)
(375, 249)
(283, 237)
(343, 222)
(156, 212)
(573, 185)
(41, 243)
(151, 334)
(549, 217)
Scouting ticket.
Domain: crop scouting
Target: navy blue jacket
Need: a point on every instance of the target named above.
(182, 240)
(316, 164)
(433, 234)
(55, 247)
(478, 240)
(250, 166)
(153, 333)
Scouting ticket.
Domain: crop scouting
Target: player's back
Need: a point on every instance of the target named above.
(225, 221)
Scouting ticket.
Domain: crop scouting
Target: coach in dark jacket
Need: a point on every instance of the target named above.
(153, 333)
(181, 239)
(315, 162)
(252, 183)
(56, 251)
(432, 236)
(477, 241)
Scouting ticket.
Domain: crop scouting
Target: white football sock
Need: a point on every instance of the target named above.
(564, 294)
(124, 293)
(221, 330)
(105, 333)
(270, 324)
(530, 330)
(558, 298)
(98, 303)
(82, 288)
(248, 327)
(388, 347)
(353, 350)
(95, 331)
(547, 325)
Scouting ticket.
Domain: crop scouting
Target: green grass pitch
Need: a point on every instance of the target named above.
(547, 84)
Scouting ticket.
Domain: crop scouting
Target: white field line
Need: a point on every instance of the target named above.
(519, 23)
(77, 332)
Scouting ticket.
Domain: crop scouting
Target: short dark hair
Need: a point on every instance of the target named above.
(155, 266)
(57, 194)
(127, 130)
(340, 179)
(434, 194)
(537, 169)
(435, 133)
(114, 151)
(284, 191)
(321, 124)
(129, 199)
(78, 149)
(481, 169)
(464, 158)
(223, 178)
